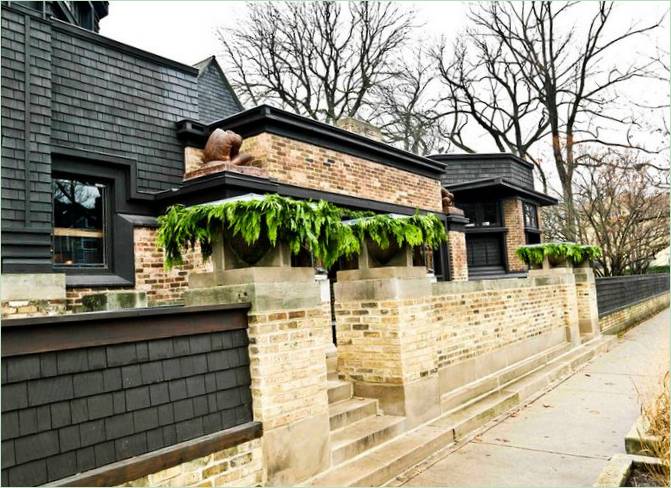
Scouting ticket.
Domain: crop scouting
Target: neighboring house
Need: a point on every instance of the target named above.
(496, 193)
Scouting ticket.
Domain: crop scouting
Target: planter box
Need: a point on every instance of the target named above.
(619, 469)
(637, 441)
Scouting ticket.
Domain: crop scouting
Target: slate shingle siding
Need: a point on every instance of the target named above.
(106, 100)
(70, 411)
(26, 197)
(215, 100)
(468, 170)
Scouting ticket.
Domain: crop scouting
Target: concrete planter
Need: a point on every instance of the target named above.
(619, 469)
(638, 441)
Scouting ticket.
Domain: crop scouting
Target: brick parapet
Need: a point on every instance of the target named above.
(457, 255)
(309, 166)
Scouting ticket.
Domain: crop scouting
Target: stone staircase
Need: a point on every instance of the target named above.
(370, 449)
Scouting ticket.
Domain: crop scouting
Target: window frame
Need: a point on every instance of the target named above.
(479, 207)
(106, 227)
(526, 203)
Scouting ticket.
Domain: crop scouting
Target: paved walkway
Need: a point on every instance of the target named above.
(565, 437)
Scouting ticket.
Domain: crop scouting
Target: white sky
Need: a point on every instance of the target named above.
(185, 31)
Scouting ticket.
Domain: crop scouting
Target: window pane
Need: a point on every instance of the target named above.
(78, 223)
(530, 216)
(490, 214)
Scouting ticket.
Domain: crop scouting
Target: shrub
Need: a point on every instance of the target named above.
(656, 413)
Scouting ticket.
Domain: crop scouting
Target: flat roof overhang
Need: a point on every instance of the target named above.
(265, 118)
(498, 187)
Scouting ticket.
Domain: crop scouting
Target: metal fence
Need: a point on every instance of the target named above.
(622, 291)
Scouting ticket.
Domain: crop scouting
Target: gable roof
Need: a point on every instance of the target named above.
(216, 96)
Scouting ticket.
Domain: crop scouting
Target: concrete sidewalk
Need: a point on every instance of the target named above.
(565, 437)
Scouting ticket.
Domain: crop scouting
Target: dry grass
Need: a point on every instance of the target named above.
(656, 412)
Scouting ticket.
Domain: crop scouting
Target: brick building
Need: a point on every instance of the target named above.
(100, 137)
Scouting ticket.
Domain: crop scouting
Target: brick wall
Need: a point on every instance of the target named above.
(513, 219)
(457, 255)
(241, 465)
(163, 287)
(314, 167)
(475, 318)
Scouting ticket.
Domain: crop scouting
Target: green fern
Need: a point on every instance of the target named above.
(315, 226)
(576, 253)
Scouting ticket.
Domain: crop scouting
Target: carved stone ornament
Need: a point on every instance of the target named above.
(224, 146)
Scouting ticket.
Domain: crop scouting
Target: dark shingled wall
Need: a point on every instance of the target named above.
(461, 171)
(215, 99)
(70, 411)
(110, 101)
(622, 291)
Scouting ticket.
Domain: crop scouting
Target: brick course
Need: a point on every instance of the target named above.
(301, 164)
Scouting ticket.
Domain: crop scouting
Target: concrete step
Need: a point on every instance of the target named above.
(495, 381)
(375, 467)
(346, 412)
(338, 390)
(470, 416)
(362, 435)
(331, 366)
(559, 367)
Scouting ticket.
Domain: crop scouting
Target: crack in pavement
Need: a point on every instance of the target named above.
(606, 458)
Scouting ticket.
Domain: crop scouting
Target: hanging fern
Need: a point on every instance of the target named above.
(315, 226)
(576, 253)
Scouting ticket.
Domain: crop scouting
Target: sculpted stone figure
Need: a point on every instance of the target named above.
(224, 146)
(448, 199)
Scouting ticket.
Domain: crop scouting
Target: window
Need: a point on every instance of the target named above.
(481, 214)
(79, 223)
(530, 216)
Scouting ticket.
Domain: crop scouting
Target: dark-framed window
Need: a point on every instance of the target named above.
(81, 209)
(482, 214)
(530, 215)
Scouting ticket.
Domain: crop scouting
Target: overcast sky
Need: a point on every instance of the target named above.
(185, 31)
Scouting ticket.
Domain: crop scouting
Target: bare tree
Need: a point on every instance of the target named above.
(405, 111)
(319, 59)
(484, 86)
(550, 63)
(622, 205)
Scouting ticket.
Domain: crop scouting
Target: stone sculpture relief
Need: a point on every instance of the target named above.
(224, 146)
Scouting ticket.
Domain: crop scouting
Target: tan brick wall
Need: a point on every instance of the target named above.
(456, 248)
(473, 321)
(162, 287)
(241, 465)
(302, 164)
(634, 314)
(513, 219)
(288, 365)
(390, 341)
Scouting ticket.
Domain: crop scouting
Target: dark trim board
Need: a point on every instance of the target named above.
(58, 333)
(265, 118)
(153, 462)
(501, 187)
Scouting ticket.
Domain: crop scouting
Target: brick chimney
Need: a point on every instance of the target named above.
(360, 127)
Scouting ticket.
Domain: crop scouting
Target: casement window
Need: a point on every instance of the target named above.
(80, 209)
(530, 215)
(482, 214)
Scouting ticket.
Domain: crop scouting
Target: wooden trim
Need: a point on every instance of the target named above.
(45, 334)
(70, 232)
(153, 462)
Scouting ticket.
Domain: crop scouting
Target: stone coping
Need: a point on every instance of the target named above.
(548, 279)
(618, 469)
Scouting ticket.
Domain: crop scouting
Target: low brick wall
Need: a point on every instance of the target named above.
(622, 319)
(478, 317)
(240, 465)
